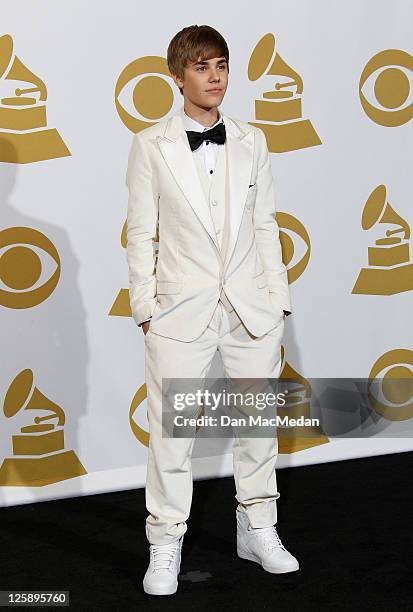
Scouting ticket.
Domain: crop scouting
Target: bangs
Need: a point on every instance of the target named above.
(202, 53)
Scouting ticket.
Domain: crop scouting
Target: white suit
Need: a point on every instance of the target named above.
(198, 271)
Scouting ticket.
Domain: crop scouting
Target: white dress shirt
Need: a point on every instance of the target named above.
(208, 151)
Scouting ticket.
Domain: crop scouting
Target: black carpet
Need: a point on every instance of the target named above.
(347, 522)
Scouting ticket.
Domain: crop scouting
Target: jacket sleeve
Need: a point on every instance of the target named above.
(142, 219)
(267, 230)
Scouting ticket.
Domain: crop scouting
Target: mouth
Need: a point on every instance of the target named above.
(216, 90)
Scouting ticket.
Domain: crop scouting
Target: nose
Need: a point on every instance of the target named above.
(214, 75)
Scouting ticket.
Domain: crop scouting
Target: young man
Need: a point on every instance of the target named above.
(219, 283)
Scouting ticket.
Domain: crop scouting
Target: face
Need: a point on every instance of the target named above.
(202, 78)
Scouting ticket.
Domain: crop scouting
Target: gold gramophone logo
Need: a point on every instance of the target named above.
(298, 404)
(390, 268)
(21, 267)
(151, 92)
(39, 457)
(24, 135)
(390, 385)
(121, 306)
(391, 87)
(292, 236)
(279, 114)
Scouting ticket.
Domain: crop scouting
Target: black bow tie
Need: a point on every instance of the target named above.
(216, 134)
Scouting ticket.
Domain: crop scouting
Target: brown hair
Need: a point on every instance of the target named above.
(192, 44)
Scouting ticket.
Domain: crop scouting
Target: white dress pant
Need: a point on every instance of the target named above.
(169, 482)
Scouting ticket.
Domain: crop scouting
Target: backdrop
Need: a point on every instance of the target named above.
(329, 83)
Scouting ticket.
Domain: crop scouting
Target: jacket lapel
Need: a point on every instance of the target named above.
(240, 154)
(177, 153)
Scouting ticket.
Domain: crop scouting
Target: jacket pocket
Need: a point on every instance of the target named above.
(250, 201)
(164, 286)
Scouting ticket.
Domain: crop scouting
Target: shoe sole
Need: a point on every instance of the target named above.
(243, 554)
(150, 591)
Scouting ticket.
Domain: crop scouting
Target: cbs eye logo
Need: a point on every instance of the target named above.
(148, 83)
(295, 245)
(21, 267)
(139, 427)
(390, 385)
(391, 87)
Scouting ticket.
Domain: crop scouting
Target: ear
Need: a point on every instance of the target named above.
(177, 80)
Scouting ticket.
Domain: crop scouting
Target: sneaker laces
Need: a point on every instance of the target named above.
(163, 555)
(270, 537)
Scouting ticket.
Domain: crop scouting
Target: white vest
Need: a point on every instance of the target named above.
(216, 195)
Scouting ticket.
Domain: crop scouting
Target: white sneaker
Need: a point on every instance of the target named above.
(263, 546)
(161, 577)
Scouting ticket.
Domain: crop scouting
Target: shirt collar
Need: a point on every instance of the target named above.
(191, 124)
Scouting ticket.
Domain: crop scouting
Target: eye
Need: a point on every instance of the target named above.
(27, 278)
(390, 385)
(138, 416)
(144, 92)
(385, 88)
(295, 243)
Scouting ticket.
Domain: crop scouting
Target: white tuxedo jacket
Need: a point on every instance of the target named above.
(181, 289)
